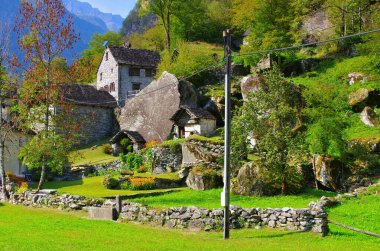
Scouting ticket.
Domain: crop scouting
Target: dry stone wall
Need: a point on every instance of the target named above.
(312, 219)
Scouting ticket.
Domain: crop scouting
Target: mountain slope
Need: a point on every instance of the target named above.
(92, 15)
(135, 24)
(86, 29)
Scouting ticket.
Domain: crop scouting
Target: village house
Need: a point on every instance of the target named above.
(135, 139)
(123, 72)
(93, 109)
(193, 121)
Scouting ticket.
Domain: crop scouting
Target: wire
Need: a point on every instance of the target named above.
(146, 93)
(306, 45)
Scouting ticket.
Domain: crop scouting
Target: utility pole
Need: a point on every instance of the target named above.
(227, 135)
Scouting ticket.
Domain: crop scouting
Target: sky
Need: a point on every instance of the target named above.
(120, 7)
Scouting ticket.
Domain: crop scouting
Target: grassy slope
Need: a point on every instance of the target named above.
(43, 229)
(335, 72)
(211, 199)
(91, 154)
(92, 187)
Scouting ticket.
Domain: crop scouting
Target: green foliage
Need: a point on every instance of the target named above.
(130, 161)
(110, 182)
(96, 44)
(191, 58)
(51, 150)
(107, 149)
(272, 115)
(125, 142)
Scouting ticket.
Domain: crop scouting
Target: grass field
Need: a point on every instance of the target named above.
(45, 229)
(92, 187)
(91, 154)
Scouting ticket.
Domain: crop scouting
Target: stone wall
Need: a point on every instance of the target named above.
(165, 161)
(312, 219)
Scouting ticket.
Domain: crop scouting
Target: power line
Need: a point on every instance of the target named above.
(146, 93)
(305, 45)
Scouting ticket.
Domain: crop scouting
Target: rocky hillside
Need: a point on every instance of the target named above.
(137, 24)
(94, 16)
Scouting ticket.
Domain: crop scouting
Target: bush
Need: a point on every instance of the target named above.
(129, 148)
(107, 149)
(151, 143)
(110, 182)
(23, 187)
(142, 169)
(139, 183)
(125, 142)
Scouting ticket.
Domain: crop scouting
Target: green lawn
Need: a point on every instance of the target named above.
(45, 229)
(92, 154)
(211, 199)
(92, 187)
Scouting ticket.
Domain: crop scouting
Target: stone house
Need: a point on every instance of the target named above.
(135, 138)
(123, 72)
(193, 121)
(93, 109)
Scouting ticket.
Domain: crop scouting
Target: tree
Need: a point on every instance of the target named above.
(45, 31)
(271, 116)
(164, 10)
(5, 126)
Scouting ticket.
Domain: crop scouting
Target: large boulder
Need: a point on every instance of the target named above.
(363, 97)
(358, 77)
(329, 172)
(369, 117)
(251, 84)
(249, 181)
(204, 178)
(150, 111)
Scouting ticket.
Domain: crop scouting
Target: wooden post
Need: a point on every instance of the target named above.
(118, 204)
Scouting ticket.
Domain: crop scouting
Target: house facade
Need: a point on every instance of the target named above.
(193, 121)
(123, 72)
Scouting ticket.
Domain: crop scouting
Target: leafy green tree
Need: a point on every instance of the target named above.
(45, 32)
(271, 116)
(271, 27)
(95, 46)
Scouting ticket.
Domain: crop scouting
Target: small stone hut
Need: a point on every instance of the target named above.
(193, 121)
(135, 138)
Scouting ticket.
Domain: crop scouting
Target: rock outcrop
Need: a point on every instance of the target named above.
(150, 111)
(249, 181)
(250, 84)
(363, 97)
(329, 172)
(369, 117)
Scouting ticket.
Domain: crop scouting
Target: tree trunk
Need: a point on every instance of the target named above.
(42, 178)
(2, 153)
(315, 173)
(283, 185)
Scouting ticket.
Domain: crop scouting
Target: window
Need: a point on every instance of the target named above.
(136, 86)
(134, 72)
(106, 56)
(101, 76)
(112, 87)
(149, 72)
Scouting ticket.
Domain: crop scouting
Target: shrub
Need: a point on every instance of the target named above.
(125, 142)
(11, 176)
(23, 187)
(129, 148)
(142, 169)
(124, 185)
(110, 182)
(151, 143)
(107, 149)
(139, 183)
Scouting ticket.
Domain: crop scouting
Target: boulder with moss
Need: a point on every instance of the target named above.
(369, 117)
(204, 177)
(330, 172)
(363, 97)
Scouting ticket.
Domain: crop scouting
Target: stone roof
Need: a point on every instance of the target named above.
(135, 137)
(87, 95)
(135, 57)
(194, 113)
